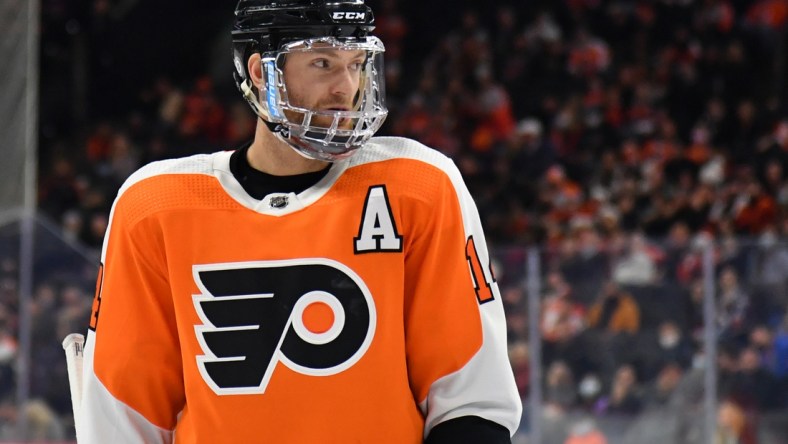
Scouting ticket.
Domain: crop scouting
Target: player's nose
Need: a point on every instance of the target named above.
(345, 83)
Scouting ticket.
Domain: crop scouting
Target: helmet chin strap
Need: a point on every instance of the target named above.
(246, 87)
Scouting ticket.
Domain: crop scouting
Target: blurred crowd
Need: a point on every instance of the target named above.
(623, 340)
(624, 138)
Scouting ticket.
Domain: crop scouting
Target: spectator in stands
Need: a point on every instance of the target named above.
(615, 311)
(732, 307)
(674, 344)
(74, 308)
(612, 320)
(638, 265)
(8, 352)
(560, 388)
(560, 395)
(59, 191)
(772, 348)
(124, 158)
(668, 344)
(668, 378)
(588, 54)
(590, 392)
(72, 226)
(495, 121)
(94, 232)
(44, 311)
(761, 339)
(755, 209)
(732, 250)
(754, 386)
(516, 315)
(562, 320)
(529, 154)
(9, 415)
(560, 194)
(583, 263)
(733, 426)
(781, 352)
(771, 276)
(781, 358)
(624, 396)
(727, 368)
(677, 245)
(585, 431)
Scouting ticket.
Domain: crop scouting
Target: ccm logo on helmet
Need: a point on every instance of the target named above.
(315, 316)
(349, 15)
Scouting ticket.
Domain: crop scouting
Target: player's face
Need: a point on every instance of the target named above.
(323, 79)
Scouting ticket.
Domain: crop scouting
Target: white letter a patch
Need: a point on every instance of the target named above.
(377, 231)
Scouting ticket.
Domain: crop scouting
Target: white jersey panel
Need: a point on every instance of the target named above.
(107, 420)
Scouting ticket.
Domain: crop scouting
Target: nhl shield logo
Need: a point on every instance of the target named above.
(279, 202)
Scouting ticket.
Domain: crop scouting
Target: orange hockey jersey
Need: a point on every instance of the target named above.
(361, 310)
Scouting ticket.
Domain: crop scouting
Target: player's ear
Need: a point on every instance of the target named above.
(255, 70)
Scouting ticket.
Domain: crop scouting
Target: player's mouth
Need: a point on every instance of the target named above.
(344, 122)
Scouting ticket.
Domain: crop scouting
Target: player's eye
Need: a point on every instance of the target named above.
(320, 63)
(357, 65)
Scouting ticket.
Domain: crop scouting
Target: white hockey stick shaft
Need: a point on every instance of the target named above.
(72, 345)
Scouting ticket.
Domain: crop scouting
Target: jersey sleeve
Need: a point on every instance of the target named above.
(455, 324)
(132, 378)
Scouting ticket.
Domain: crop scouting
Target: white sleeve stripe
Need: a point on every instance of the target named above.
(106, 419)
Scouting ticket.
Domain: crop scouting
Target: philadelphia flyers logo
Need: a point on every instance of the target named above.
(316, 316)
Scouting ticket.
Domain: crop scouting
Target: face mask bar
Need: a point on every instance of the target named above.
(348, 130)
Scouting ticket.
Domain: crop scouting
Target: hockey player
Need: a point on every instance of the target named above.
(318, 285)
